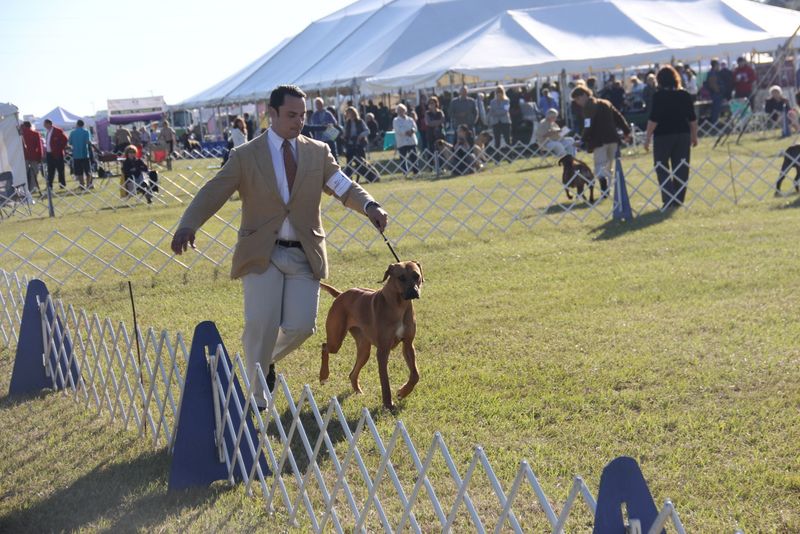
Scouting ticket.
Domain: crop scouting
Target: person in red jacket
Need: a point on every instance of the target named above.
(32, 148)
(55, 143)
(744, 76)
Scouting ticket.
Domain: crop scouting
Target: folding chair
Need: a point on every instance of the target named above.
(12, 196)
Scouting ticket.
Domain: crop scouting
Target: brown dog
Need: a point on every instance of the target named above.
(382, 318)
(576, 174)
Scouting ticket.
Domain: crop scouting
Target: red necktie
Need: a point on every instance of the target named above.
(289, 164)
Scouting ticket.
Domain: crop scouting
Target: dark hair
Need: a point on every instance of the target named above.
(80, 123)
(668, 77)
(48, 121)
(714, 61)
(580, 91)
(26, 124)
(279, 93)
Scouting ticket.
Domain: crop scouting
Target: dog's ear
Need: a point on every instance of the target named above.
(388, 272)
(421, 277)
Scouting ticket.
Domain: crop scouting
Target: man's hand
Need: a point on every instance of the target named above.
(378, 217)
(182, 240)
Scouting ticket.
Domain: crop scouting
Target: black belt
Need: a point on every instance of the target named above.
(288, 244)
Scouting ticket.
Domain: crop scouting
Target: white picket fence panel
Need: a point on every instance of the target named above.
(364, 484)
(417, 216)
(180, 186)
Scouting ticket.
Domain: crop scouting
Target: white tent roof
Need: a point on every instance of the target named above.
(61, 118)
(379, 45)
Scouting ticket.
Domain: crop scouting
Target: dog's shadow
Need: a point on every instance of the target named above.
(571, 205)
(613, 229)
(790, 205)
(335, 431)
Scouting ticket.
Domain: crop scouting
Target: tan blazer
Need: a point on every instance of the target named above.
(249, 170)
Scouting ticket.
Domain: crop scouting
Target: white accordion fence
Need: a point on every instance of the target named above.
(329, 471)
(417, 216)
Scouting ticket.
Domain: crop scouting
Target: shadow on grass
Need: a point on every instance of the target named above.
(793, 204)
(335, 432)
(562, 207)
(11, 401)
(613, 229)
(125, 496)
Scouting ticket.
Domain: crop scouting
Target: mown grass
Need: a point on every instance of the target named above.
(672, 339)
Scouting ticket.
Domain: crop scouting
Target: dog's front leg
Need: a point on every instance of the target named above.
(383, 372)
(410, 355)
(363, 349)
(566, 190)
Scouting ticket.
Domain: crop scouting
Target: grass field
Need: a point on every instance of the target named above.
(672, 339)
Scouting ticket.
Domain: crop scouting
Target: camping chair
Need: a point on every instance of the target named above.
(12, 196)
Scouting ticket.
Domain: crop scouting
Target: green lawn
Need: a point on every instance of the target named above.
(672, 339)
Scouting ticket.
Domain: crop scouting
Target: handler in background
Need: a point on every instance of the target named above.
(280, 255)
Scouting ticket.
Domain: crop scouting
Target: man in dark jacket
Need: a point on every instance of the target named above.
(601, 120)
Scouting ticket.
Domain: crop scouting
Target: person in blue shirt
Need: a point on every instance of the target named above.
(80, 141)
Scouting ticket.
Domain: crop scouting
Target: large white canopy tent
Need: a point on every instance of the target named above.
(60, 117)
(375, 45)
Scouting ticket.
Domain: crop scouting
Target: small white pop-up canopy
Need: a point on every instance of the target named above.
(374, 45)
(12, 157)
(60, 117)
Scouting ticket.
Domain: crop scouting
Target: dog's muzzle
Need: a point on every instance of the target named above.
(411, 293)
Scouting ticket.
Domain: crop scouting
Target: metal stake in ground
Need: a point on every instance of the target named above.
(138, 354)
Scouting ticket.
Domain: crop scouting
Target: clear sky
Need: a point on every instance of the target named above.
(78, 53)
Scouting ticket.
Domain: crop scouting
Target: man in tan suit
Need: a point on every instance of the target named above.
(280, 255)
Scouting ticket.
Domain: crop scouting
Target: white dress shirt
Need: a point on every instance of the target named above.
(338, 182)
(287, 231)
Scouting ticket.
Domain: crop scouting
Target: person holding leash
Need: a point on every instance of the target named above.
(280, 254)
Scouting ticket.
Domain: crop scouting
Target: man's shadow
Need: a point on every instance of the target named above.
(613, 229)
(121, 493)
(335, 432)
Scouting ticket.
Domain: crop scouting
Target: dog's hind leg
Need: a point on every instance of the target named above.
(363, 349)
(335, 330)
(566, 190)
(410, 356)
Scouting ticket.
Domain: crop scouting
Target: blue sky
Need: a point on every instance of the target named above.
(78, 53)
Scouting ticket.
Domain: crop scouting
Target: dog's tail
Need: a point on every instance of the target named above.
(330, 289)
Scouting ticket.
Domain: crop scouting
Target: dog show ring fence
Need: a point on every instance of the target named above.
(417, 216)
(324, 470)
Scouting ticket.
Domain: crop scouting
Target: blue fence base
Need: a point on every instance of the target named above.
(622, 204)
(622, 482)
(195, 459)
(29, 376)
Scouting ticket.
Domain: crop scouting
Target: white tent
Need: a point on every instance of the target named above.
(61, 118)
(373, 45)
(12, 157)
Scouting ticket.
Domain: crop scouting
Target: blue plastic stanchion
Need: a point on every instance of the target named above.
(195, 459)
(29, 374)
(622, 482)
(622, 204)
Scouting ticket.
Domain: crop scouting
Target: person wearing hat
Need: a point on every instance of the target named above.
(549, 136)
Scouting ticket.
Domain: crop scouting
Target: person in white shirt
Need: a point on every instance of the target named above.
(405, 135)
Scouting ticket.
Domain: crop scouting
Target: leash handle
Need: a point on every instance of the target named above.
(390, 247)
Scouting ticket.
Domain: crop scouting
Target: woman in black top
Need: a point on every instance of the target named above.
(672, 126)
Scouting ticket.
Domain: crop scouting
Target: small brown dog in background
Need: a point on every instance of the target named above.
(381, 318)
(576, 174)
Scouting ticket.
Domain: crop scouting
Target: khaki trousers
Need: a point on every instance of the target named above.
(280, 310)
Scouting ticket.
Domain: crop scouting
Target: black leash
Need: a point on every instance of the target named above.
(390, 247)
